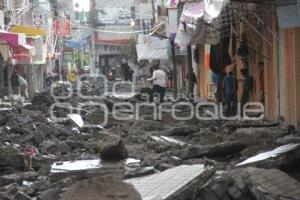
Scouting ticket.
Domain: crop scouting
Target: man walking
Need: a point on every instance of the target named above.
(159, 79)
(15, 83)
(24, 86)
(230, 87)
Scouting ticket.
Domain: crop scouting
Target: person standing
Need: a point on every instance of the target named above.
(193, 81)
(159, 79)
(246, 87)
(24, 86)
(261, 82)
(230, 86)
(15, 83)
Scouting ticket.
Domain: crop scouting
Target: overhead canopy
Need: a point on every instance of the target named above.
(83, 43)
(29, 30)
(150, 47)
(33, 52)
(199, 24)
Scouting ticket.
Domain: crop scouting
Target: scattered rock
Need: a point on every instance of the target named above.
(111, 148)
(211, 151)
(184, 130)
(63, 148)
(51, 194)
(289, 139)
(22, 196)
(104, 188)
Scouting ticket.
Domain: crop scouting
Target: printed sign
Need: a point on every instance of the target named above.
(62, 27)
(37, 17)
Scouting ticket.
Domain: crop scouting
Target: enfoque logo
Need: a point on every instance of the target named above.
(124, 111)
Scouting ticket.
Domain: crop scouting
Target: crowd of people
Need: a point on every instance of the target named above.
(161, 80)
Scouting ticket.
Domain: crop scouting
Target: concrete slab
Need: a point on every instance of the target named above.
(270, 154)
(163, 139)
(276, 182)
(163, 185)
(78, 165)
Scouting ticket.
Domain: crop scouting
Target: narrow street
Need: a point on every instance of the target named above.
(149, 100)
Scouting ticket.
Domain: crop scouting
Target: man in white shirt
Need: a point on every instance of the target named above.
(24, 86)
(159, 79)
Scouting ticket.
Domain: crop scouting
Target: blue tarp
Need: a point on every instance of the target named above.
(83, 43)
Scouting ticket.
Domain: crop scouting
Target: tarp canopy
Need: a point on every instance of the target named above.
(150, 47)
(83, 43)
(200, 23)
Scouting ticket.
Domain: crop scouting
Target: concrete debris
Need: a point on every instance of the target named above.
(168, 140)
(41, 158)
(271, 154)
(22, 196)
(112, 148)
(104, 188)
(211, 151)
(169, 184)
(251, 184)
(77, 165)
(77, 119)
(289, 139)
(184, 130)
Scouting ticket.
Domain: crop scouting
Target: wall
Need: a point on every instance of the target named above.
(297, 74)
(289, 53)
(282, 87)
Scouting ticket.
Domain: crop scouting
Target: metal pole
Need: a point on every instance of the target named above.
(2, 79)
(94, 20)
(174, 75)
(190, 70)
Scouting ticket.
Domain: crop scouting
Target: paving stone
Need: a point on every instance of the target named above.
(276, 182)
(163, 185)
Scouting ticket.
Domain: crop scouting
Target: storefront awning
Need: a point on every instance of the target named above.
(13, 39)
(22, 54)
(30, 31)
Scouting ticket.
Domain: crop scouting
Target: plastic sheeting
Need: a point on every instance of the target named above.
(83, 43)
(150, 47)
(200, 23)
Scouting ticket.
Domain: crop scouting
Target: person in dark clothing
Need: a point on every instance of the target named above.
(126, 71)
(230, 86)
(15, 83)
(261, 82)
(246, 87)
(193, 81)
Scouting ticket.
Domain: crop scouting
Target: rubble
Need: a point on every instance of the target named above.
(251, 184)
(271, 154)
(199, 158)
(172, 183)
(211, 151)
(104, 188)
